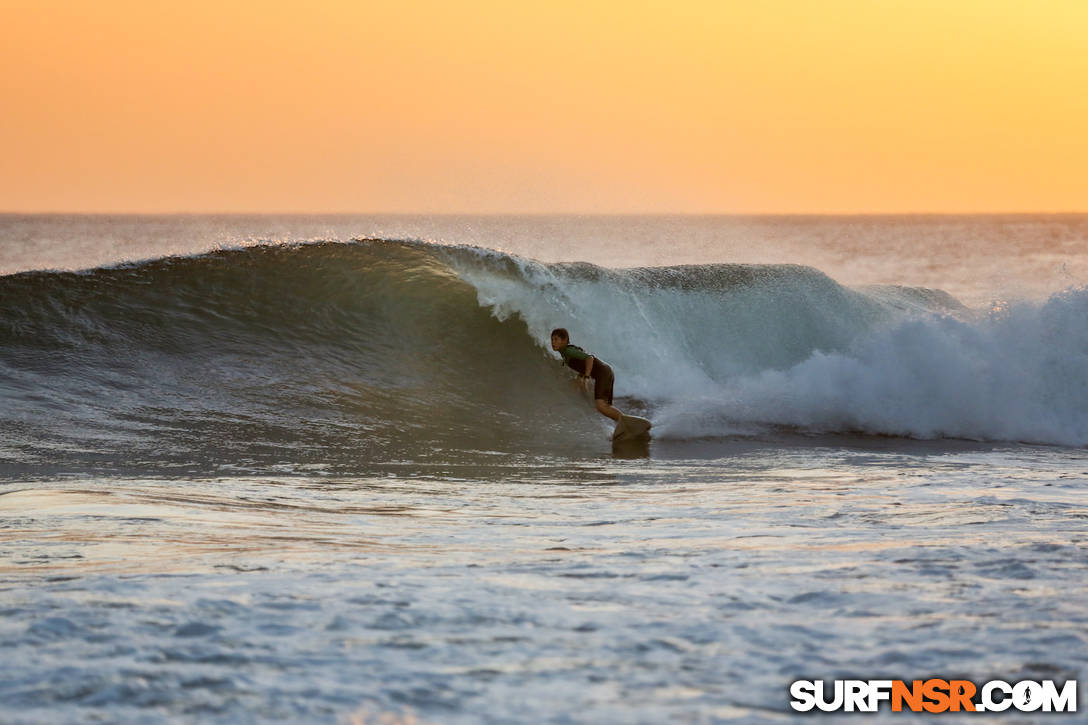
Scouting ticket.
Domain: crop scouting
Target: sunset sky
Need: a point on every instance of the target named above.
(777, 106)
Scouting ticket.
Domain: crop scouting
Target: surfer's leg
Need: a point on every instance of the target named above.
(602, 392)
(605, 408)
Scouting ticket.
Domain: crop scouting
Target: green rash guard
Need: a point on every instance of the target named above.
(575, 358)
(603, 377)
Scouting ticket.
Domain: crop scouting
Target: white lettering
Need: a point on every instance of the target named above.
(988, 702)
(1027, 696)
(1064, 701)
(879, 690)
(804, 695)
(829, 705)
(856, 695)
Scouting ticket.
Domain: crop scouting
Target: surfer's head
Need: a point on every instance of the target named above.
(560, 338)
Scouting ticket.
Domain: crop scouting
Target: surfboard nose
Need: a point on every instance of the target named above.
(630, 427)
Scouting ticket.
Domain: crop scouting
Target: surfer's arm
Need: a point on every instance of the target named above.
(589, 366)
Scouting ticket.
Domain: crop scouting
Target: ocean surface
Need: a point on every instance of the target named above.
(328, 470)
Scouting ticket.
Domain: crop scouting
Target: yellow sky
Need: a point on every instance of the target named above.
(768, 106)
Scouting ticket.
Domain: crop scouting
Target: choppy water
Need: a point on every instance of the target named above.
(328, 482)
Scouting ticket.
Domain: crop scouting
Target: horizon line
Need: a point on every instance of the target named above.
(548, 213)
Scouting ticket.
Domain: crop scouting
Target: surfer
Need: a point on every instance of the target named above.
(588, 366)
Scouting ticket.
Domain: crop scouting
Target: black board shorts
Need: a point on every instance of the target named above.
(602, 381)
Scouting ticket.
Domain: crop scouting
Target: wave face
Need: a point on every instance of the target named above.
(391, 350)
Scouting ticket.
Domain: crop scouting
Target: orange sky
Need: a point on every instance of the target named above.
(776, 106)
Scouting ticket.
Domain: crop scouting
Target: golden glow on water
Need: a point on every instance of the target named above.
(136, 532)
(201, 526)
(782, 106)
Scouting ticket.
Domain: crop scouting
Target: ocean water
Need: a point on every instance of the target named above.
(326, 469)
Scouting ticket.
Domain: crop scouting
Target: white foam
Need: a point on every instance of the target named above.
(806, 353)
(1019, 374)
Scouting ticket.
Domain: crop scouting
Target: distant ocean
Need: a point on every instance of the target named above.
(327, 469)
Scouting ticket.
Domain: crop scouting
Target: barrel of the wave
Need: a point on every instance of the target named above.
(628, 427)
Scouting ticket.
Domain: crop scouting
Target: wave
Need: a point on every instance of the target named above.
(400, 349)
(723, 350)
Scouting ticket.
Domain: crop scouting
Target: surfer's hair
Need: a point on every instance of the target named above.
(561, 333)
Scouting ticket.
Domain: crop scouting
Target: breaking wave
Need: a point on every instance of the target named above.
(383, 349)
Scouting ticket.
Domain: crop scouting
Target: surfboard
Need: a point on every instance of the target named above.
(631, 427)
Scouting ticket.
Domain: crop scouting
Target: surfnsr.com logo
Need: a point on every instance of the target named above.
(933, 695)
